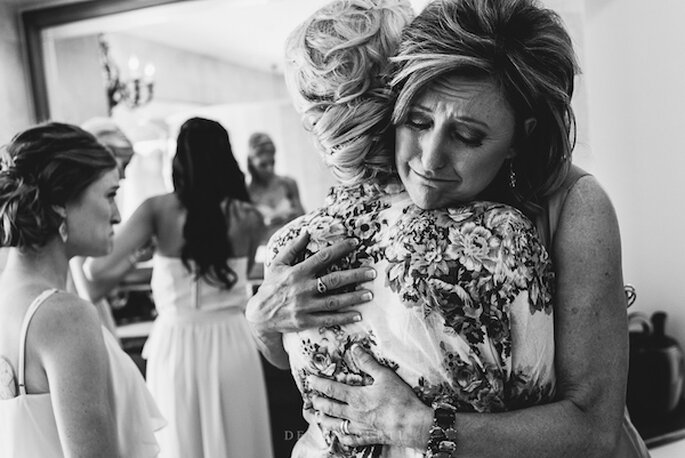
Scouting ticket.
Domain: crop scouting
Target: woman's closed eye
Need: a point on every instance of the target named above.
(468, 137)
(418, 121)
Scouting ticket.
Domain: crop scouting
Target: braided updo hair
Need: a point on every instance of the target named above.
(337, 74)
(45, 166)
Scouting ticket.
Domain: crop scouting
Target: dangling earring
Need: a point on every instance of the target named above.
(62, 229)
(512, 175)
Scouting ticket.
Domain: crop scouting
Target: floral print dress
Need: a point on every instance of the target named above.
(462, 307)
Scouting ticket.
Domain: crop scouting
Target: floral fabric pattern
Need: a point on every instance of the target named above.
(462, 307)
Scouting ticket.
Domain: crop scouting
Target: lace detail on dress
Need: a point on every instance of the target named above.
(8, 381)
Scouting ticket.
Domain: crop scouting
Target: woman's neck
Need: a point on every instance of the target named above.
(260, 182)
(48, 265)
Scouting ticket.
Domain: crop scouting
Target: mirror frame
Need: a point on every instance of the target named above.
(34, 21)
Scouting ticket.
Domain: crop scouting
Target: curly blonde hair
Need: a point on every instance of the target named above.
(337, 65)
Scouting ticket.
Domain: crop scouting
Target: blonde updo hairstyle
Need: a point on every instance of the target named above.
(45, 167)
(337, 74)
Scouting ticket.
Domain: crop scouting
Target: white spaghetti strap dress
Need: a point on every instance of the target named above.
(203, 367)
(27, 422)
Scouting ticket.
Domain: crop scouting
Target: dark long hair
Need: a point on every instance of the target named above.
(205, 173)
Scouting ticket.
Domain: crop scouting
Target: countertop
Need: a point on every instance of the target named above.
(661, 430)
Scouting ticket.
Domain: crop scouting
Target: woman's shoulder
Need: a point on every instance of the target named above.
(587, 207)
(160, 205)
(169, 199)
(287, 181)
(496, 216)
(65, 317)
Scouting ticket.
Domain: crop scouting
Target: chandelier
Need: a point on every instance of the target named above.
(134, 91)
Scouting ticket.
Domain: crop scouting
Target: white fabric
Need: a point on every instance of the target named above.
(27, 422)
(204, 368)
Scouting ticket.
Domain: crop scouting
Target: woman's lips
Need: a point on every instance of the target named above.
(435, 179)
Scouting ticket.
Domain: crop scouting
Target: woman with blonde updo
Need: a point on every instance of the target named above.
(460, 307)
(482, 110)
(66, 388)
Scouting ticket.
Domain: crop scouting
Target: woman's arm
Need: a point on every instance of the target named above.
(68, 339)
(591, 361)
(294, 197)
(288, 300)
(245, 225)
(135, 234)
(92, 291)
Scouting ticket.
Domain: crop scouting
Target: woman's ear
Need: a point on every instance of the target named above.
(528, 128)
(61, 211)
(529, 125)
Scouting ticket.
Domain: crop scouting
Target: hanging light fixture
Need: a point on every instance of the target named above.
(134, 91)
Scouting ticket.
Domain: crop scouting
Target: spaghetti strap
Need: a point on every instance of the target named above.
(24, 329)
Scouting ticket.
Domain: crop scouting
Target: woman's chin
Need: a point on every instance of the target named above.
(425, 201)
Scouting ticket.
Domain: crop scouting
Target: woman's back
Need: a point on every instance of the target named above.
(175, 288)
(169, 216)
(201, 340)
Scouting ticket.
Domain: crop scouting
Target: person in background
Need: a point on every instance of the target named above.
(276, 197)
(107, 132)
(482, 95)
(203, 367)
(66, 388)
(110, 134)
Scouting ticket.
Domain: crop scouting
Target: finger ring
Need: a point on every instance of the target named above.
(345, 427)
(321, 286)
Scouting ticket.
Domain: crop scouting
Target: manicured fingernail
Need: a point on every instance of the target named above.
(354, 242)
(367, 296)
(370, 274)
(357, 317)
(357, 350)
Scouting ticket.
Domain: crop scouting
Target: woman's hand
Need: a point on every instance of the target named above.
(385, 412)
(289, 300)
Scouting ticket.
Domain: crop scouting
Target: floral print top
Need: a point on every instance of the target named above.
(462, 307)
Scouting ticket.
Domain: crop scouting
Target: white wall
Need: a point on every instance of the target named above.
(15, 108)
(635, 74)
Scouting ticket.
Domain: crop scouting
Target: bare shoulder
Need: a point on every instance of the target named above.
(587, 242)
(65, 319)
(289, 182)
(161, 202)
(588, 212)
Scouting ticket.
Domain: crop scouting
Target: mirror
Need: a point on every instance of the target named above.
(173, 60)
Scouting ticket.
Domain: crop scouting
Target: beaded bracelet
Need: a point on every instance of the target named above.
(442, 439)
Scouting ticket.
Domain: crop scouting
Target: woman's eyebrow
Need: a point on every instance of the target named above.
(421, 108)
(471, 120)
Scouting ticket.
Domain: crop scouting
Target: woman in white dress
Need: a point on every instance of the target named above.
(203, 367)
(66, 388)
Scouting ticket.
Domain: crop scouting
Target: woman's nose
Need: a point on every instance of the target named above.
(116, 216)
(434, 151)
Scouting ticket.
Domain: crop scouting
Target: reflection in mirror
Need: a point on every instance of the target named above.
(211, 58)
